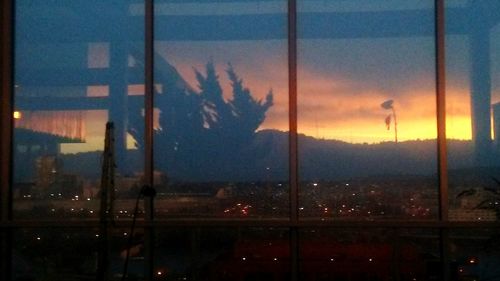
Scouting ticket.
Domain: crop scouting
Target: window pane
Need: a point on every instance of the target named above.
(221, 108)
(45, 254)
(367, 113)
(475, 254)
(75, 254)
(223, 254)
(350, 254)
(472, 113)
(78, 64)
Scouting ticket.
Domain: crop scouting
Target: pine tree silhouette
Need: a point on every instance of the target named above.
(201, 135)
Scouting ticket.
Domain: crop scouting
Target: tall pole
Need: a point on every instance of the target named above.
(148, 152)
(293, 139)
(440, 64)
(389, 104)
(6, 132)
(107, 197)
(395, 125)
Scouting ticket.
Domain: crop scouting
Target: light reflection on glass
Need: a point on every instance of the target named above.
(472, 68)
(366, 110)
(221, 109)
(72, 72)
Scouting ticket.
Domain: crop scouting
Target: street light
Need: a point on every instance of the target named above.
(388, 104)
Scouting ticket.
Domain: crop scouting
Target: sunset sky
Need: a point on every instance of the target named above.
(341, 85)
(341, 81)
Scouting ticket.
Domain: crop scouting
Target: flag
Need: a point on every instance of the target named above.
(387, 104)
(388, 122)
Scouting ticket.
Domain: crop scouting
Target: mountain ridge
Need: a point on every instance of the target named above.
(266, 159)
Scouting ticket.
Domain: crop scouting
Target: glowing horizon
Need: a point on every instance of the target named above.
(338, 100)
(355, 129)
(340, 109)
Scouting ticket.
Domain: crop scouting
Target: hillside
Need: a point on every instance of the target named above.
(267, 159)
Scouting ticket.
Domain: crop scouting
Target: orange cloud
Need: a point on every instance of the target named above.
(334, 101)
(329, 106)
(348, 110)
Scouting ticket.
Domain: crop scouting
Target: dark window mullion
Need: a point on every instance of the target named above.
(6, 127)
(441, 109)
(148, 135)
(293, 143)
(292, 88)
(441, 135)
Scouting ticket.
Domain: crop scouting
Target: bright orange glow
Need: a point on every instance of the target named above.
(330, 106)
(342, 110)
(458, 127)
(337, 108)
(334, 112)
(458, 114)
(372, 131)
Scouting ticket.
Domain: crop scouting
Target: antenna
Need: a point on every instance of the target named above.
(107, 195)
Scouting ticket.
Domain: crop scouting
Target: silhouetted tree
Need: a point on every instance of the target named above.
(200, 134)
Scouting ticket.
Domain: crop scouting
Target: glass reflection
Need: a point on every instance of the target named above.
(350, 254)
(223, 254)
(366, 110)
(75, 63)
(475, 254)
(472, 113)
(73, 255)
(221, 108)
(43, 254)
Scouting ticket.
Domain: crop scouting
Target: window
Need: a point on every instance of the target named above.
(285, 140)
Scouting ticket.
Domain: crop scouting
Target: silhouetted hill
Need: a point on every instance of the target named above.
(266, 159)
(321, 159)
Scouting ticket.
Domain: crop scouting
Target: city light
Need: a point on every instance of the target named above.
(17, 115)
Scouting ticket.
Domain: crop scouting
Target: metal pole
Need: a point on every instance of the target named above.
(440, 33)
(106, 210)
(441, 111)
(395, 125)
(6, 127)
(148, 135)
(292, 88)
(293, 140)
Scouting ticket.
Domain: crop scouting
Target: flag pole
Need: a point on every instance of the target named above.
(395, 125)
(388, 104)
